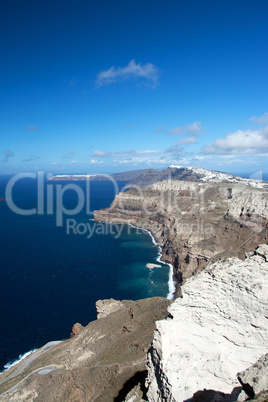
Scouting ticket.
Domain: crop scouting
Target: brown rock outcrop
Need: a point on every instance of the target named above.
(95, 364)
(76, 330)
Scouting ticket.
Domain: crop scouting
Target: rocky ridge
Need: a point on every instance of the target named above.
(147, 178)
(211, 176)
(99, 363)
(195, 222)
(218, 327)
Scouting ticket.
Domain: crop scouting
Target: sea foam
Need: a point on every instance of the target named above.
(14, 362)
(171, 281)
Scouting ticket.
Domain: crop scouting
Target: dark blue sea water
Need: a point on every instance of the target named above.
(50, 279)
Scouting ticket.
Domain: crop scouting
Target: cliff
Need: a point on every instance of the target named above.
(209, 345)
(173, 172)
(195, 222)
(218, 327)
(203, 339)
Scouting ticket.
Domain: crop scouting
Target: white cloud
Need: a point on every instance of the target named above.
(260, 120)
(189, 140)
(74, 162)
(139, 160)
(147, 157)
(147, 72)
(201, 157)
(184, 161)
(163, 156)
(195, 127)
(241, 142)
(174, 149)
(103, 154)
(176, 130)
(123, 153)
(148, 151)
(94, 162)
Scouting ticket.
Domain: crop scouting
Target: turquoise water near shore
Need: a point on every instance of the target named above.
(50, 279)
(51, 276)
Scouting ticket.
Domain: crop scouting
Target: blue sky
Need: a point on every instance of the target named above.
(108, 86)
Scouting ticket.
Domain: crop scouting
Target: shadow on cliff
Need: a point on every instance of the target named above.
(137, 380)
(209, 395)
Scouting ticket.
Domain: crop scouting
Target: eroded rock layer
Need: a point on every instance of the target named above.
(219, 327)
(195, 223)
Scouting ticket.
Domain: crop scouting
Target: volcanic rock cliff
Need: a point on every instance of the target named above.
(218, 327)
(195, 222)
(202, 339)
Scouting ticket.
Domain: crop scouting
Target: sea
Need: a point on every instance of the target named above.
(56, 261)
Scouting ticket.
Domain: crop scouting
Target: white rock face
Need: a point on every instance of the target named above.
(219, 328)
(255, 378)
(246, 204)
(239, 200)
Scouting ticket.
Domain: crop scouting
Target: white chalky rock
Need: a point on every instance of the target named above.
(219, 328)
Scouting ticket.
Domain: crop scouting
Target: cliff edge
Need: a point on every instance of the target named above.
(195, 222)
(218, 327)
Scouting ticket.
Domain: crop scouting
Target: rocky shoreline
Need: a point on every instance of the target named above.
(195, 223)
(197, 347)
(175, 286)
(96, 363)
(210, 345)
